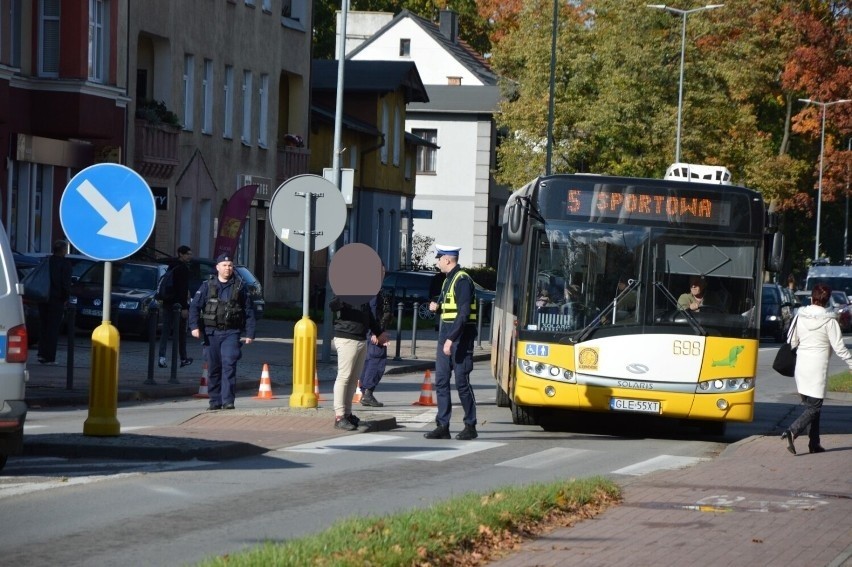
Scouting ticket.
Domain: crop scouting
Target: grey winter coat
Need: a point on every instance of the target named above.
(816, 333)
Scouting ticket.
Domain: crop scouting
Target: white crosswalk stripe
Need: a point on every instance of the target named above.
(659, 463)
(544, 459)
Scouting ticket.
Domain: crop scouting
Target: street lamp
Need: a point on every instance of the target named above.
(682, 51)
(821, 147)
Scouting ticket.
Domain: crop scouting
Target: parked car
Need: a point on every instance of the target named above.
(133, 287)
(24, 264)
(202, 268)
(13, 356)
(776, 312)
(838, 304)
(409, 287)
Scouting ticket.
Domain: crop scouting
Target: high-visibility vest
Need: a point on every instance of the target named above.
(449, 307)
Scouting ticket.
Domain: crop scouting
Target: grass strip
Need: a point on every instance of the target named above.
(840, 382)
(462, 531)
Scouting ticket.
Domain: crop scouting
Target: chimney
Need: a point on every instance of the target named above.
(448, 23)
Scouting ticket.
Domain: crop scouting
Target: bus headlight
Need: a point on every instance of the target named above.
(546, 371)
(724, 385)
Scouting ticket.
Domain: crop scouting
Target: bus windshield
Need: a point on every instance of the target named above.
(599, 278)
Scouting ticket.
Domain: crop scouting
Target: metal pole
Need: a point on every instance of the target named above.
(680, 88)
(823, 106)
(414, 333)
(819, 185)
(174, 334)
(550, 104)
(153, 314)
(398, 331)
(846, 225)
(683, 14)
(71, 328)
(335, 165)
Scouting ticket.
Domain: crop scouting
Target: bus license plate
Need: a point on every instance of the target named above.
(641, 406)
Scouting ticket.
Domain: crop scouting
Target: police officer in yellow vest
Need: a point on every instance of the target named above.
(457, 304)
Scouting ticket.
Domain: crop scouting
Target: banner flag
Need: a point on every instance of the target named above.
(232, 219)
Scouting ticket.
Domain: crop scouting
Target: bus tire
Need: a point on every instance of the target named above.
(503, 400)
(523, 415)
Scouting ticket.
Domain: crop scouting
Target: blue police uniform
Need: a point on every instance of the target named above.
(222, 340)
(460, 328)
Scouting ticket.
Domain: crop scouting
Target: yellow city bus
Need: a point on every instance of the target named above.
(587, 314)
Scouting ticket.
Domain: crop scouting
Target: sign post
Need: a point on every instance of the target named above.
(307, 213)
(107, 212)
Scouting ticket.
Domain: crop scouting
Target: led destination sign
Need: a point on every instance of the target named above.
(641, 205)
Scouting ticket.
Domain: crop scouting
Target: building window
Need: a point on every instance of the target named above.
(10, 34)
(397, 135)
(97, 40)
(263, 117)
(188, 91)
(250, 3)
(293, 11)
(48, 45)
(267, 6)
(286, 258)
(383, 152)
(228, 126)
(207, 98)
(454, 81)
(427, 156)
(405, 48)
(246, 136)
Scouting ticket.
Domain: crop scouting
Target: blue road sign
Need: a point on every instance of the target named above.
(107, 211)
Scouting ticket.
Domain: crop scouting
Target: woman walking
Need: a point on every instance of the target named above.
(815, 334)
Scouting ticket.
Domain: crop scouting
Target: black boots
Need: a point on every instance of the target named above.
(440, 432)
(368, 399)
(468, 433)
(788, 437)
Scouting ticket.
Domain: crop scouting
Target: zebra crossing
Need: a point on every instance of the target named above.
(448, 450)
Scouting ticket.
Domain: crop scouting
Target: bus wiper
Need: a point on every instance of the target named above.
(690, 318)
(584, 333)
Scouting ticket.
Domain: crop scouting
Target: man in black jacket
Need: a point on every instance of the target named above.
(180, 296)
(50, 312)
(350, 329)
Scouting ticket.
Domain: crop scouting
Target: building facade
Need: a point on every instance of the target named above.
(457, 198)
(200, 97)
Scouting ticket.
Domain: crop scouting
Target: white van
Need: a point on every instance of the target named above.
(13, 355)
(838, 278)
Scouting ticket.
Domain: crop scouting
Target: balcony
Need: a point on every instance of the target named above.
(156, 149)
(291, 161)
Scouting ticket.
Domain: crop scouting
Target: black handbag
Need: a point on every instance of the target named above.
(785, 359)
(37, 282)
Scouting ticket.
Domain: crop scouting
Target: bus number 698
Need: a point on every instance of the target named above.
(686, 348)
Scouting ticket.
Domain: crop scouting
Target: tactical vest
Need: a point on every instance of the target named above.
(220, 314)
(449, 307)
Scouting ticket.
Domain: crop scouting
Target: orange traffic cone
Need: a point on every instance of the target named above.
(426, 398)
(202, 386)
(265, 390)
(357, 397)
(316, 387)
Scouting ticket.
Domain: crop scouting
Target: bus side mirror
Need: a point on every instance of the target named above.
(774, 252)
(516, 223)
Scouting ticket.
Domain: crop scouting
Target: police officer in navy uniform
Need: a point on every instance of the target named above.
(457, 305)
(220, 311)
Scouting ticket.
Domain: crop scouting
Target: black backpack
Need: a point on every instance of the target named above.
(166, 286)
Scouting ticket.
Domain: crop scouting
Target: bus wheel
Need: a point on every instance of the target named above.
(523, 415)
(503, 400)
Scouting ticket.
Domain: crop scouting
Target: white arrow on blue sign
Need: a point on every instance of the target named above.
(107, 211)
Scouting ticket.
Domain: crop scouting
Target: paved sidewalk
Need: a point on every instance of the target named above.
(755, 504)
